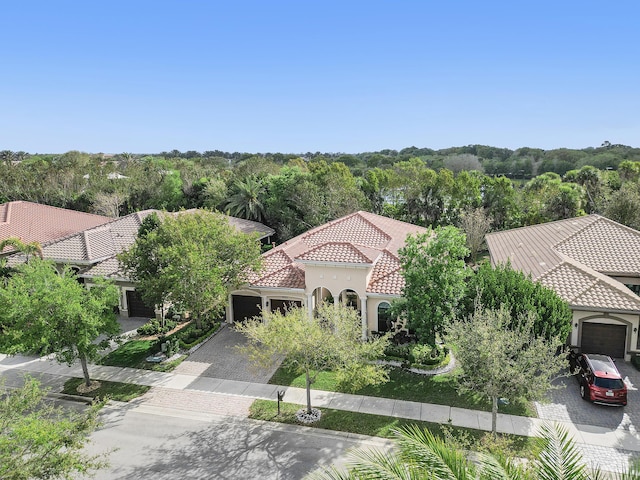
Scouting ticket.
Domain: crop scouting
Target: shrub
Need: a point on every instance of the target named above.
(190, 336)
(154, 327)
(635, 360)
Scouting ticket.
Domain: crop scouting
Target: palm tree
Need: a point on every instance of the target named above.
(246, 200)
(420, 455)
(32, 248)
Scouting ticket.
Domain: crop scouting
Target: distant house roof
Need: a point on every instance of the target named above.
(34, 222)
(576, 258)
(361, 238)
(97, 247)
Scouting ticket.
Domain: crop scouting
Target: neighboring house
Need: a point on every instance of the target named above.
(92, 253)
(353, 260)
(34, 222)
(591, 262)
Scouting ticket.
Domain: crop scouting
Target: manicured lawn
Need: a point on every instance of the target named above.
(122, 392)
(382, 426)
(403, 385)
(133, 354)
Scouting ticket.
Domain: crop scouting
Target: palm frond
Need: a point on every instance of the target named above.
(559, 458)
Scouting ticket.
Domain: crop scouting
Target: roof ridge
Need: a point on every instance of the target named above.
(363, 216)
(595, 218)
(292, 266)
(537, 225)
(57, 208)
(351, 245)
(323, 227)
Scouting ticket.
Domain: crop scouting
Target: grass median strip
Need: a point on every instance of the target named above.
(403, 385)
(383, 426)
(122, 392)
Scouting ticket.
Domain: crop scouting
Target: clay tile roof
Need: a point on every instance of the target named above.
(342, 252)
(605, 246)
(34, 222)
(359, 238)
(573, 257)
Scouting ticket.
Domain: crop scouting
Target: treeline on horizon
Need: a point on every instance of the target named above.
(293, 192)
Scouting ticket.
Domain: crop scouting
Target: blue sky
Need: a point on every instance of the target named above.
(330, 76)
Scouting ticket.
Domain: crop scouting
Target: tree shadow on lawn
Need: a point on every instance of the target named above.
(403, 385)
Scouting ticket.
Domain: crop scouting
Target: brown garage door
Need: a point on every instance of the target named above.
(246, 306)
(137, 308)
(603, 338)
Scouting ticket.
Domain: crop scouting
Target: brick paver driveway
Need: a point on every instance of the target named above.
(565, 404)
(219, 358)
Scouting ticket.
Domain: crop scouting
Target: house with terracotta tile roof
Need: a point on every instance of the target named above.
(92, 253)
(591, 262)
(34, 222)
(353, 260)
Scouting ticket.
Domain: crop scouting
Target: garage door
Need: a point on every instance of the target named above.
(246, 306)
(604, 338)
(283, 305)
(137, 308)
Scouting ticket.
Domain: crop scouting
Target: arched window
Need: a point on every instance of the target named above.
(384, 317)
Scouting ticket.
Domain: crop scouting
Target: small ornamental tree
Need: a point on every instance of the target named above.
(49, 312)
(39, 440)
(331, 340)
(434, 271)
(504, 358)
(502, 286)
(191, 259)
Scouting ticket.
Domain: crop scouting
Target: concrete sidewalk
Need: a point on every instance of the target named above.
(620, 439)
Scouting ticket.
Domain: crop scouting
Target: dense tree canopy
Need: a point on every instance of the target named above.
(49, 312)
(502, 286)
(39, 440)
(434, 271)
(191, 259)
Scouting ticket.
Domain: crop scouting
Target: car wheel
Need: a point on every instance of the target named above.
(583, 392)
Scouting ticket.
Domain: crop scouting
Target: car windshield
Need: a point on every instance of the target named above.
(610, 383)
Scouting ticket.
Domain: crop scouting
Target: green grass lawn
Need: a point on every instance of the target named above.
(133, 354)
(382, 426)
(122, 392)
(403, 385)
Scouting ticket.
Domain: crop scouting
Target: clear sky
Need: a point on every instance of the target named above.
(332, 76)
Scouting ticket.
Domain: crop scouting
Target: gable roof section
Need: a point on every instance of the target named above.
(97, 247)
(574, 257)
(34, 222)
(359, 238)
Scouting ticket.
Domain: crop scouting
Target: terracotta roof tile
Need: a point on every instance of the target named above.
(361, 237)
(342, 252)
(34, 222)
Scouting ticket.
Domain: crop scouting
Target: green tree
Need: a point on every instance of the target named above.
(502, 286)
(28, 249)
(421, 455)
(246, 199)
(330, 340)
(622, 206)
(434, 272)
(503, 357)
(192, 259)
(50, 312)
(39, 440)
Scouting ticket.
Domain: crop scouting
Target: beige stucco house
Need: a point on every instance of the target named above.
(353, 260)
(594, 264)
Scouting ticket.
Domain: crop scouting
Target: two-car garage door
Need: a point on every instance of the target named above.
(604, 338)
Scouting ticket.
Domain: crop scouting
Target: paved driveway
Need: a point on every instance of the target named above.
(565, 404)
(220, 358)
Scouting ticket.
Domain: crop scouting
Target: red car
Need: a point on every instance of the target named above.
(600, 380)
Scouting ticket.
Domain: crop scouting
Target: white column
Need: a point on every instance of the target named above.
(363, 316)
(230, 309)
(310, 305)
(265, 306)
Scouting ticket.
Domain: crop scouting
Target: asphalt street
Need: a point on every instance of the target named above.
(158, 443)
